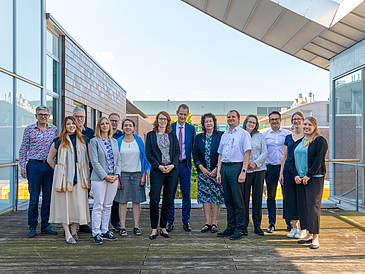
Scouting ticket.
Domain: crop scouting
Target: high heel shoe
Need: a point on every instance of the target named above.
(304, 241)
(166, 235)
(154, 236)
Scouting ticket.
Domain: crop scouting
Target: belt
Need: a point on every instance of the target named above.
(40, 161)
(279, 165)
(231, 163)
(182, 161)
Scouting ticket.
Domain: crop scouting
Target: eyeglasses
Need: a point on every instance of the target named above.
(249, 122)
(275, 119)
(43, 115)
(114, 121)
(297, 119)
(79, 117)
(162, 119)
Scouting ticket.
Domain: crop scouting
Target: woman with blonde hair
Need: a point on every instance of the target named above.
(290, 207)
(163, 152)
(106, 162)
(308, 169)
(69, 201)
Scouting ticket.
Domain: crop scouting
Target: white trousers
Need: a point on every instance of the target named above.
(104, 194)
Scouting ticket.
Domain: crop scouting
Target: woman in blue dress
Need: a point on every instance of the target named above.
(205, 155)
(290, 208)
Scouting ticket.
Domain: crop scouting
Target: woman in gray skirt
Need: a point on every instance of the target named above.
(135, 168)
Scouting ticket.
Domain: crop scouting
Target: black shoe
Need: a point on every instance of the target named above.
(225, 233)
(271, 228)
(314, 246)
(169, 227)
(166, 235)
(236, 235)
(85, 228)
(154, 236)
(304, 241)
(116, 226)
(245, 232)
(206, 228)
(259, 231)
(186, 227)
(288, 228)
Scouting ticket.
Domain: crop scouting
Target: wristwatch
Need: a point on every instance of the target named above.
(243, 170)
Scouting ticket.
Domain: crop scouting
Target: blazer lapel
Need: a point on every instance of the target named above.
(101, 143)
(115, 151)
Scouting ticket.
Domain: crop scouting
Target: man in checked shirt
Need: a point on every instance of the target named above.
(37, 140)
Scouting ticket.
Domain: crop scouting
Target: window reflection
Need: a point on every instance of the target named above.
(6, 34)
(28, 99)
(52, 103)
(52, 43)
(28, 47)
(6, 118)
(6, 187)
(52, 74)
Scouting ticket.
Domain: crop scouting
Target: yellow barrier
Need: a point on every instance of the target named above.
(23, 192)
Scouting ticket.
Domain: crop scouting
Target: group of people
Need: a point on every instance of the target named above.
(230, 166)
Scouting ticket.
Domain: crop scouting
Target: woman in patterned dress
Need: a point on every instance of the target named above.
(106, 161)
(163, 152)
(255, 174)
(205, 155)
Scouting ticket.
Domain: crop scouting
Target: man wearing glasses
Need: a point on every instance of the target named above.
(114, 218)
(37, 140)
(274, 138)
(79, 114)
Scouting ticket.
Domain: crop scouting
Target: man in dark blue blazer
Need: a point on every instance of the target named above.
(186, 135)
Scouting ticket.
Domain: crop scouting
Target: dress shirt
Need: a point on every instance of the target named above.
(234, 144)
(36, 143)
(178, 126)
(258, 152)
(275, 145)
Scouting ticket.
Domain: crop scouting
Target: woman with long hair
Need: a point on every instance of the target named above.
(106, 162)
(69, 201)
(163, 152)
(135, 168)
(290, 207)
(308, 169)
(205, 154)
(255, 175)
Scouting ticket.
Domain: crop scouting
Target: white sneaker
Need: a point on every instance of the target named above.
(292, 233)
(300, 234)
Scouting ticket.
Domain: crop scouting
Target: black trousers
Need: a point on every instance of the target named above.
(233, 196)
(114, 216)
(168, 181)
(256, 181)
(309, 199)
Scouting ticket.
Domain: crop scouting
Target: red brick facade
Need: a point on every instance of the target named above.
(86, 83)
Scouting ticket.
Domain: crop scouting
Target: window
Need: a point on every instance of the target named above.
(261, 111)
(271, 109)
(6, 34)
(92, 119)
(6, 118)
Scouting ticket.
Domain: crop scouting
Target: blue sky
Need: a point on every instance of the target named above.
(166, 49)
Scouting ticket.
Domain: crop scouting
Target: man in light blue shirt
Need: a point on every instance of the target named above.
(274, 139)
(234, 154)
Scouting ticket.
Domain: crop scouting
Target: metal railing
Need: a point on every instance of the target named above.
(350, 162)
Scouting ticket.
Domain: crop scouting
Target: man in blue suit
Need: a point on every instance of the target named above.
(185, 135)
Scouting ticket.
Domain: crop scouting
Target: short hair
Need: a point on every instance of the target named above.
(275, 112)
(114, 114)
(128, 120)
(183, 106)
(255, 130)
(205, 116)
(297, 113)
(77, 110)
(233, 110)
(42, 107)
(98, 128)
(155, 123)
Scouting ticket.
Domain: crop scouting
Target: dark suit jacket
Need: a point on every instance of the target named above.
(316, 157)
(153, 152)
(189, 141)
(199, 150)
(88, 132)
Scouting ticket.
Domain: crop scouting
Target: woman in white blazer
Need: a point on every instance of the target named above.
(106, 162)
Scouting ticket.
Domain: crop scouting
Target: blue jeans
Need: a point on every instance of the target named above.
(185, 182)
(40, 177)
(272, 178)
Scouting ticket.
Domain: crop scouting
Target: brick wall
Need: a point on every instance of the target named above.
(142, 125)
(85, 82)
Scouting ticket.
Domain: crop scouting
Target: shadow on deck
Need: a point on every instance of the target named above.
(342, 249)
